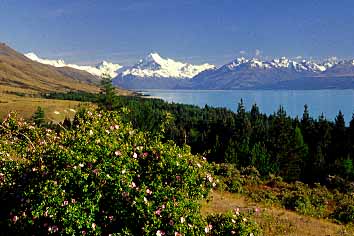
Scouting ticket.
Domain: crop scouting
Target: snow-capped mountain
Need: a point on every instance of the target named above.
(104, 67)
(256, 73)
(155, 66)
(155, 71)
(281, 63)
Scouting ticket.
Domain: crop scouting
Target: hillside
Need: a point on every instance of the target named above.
(18, 71)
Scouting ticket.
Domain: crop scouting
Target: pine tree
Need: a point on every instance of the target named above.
(38, 116)
(108, 96)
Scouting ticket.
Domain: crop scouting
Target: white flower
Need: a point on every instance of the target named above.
(148, 191)
(182, 219)
(160, 233)
(210, 179)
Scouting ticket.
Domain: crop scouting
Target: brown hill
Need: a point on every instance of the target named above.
(16, 70)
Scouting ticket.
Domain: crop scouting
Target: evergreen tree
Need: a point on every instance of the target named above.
(339, 146)
(351, 138)
(38, 116)
(108, 95)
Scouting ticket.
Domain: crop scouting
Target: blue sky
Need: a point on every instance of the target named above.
(197, 31)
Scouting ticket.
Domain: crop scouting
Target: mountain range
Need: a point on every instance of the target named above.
(157, 72)
(17, 71)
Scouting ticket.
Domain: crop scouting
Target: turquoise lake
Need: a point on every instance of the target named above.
(328, 102)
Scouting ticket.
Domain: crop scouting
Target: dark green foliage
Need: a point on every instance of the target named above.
(75, 96)
(108, 96)
(38, 117)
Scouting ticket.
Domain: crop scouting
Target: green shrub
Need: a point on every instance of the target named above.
(305, 200)
(231, 224)
(101, 177)
(344, 211)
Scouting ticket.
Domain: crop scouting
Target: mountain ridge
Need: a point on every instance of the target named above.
(156, 72)
(18, 71)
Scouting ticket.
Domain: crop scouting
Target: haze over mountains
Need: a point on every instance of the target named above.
(157, 72)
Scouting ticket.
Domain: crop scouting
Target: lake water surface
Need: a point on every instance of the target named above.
(328, 102)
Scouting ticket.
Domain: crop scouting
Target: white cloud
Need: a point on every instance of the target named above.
(243, 52)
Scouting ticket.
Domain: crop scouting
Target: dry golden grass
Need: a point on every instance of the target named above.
(55, 110)
(275, 221)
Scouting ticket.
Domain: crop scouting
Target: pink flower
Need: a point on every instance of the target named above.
(158, 212)
(65, 203)
(178, 234)
(93, 226)
(53, 228)
(132, 185)
(14, 219)
(135, 155)
(73, 201)
(148, 191)
(95, 171)
(160, 232)
(145, 154)
(117, 153)
(83, 232)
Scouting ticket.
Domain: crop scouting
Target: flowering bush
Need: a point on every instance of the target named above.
(99, 178)
(235, 223)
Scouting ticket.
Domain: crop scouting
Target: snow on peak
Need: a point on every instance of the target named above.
(154, 56)
(101, 69)
(56, 63)
(256, 63)
(237, 62)
(280, 63)
(156, 66)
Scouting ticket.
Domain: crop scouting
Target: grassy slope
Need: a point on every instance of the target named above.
(275, 221)
(55, 110)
